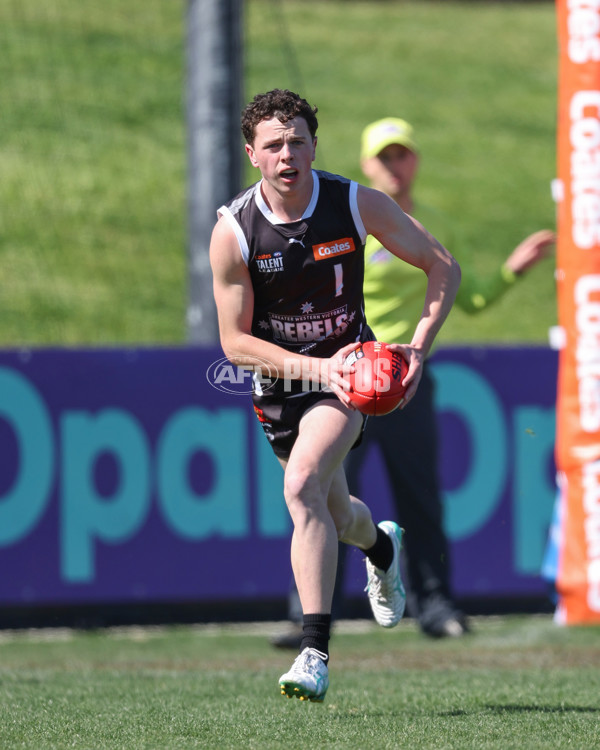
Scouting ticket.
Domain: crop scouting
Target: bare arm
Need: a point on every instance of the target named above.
(532, 249)
(408, 240)
(234, 298)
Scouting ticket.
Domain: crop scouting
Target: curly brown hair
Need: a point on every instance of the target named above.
(279, 103)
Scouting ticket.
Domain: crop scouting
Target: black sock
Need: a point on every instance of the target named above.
(315, 633)
(381, 553)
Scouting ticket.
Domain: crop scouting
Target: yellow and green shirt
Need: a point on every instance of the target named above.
(394, 291)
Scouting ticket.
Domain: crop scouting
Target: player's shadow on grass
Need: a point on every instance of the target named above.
(525, 708)
(508, 708)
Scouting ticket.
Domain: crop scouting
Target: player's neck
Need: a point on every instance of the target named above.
(288, 206)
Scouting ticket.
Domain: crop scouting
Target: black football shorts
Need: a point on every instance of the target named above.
(280, 417)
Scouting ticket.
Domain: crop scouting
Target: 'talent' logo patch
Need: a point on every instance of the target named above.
(331, 249)
(269, 262)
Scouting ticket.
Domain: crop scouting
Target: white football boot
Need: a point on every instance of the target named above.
(308, 679)
(385, 589)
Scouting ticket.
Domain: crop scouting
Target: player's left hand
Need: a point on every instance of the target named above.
(415, 359)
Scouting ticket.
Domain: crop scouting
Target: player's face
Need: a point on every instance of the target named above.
(393, 170)
(284, 152)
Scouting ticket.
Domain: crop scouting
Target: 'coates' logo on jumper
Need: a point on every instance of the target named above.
(337, 247)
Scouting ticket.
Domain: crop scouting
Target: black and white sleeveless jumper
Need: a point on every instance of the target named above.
(307, 275)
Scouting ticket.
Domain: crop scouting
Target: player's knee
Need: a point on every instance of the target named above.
(300, 487)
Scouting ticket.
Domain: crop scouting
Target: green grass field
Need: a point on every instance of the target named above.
(515, 682)
(92, 146)
(93, 251)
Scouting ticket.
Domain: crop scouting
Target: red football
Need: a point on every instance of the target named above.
(377, 378)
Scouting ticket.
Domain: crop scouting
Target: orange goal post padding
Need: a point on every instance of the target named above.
(578, 289)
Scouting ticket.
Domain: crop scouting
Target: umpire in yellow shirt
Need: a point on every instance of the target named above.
(407, 438)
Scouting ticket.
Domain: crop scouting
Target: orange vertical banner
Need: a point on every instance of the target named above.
(578, 288)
